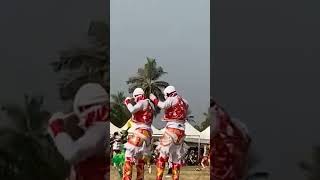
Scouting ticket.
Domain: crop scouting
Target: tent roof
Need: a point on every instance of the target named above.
(113, 128)
(157, 131)
(205, 134)
(190, 130)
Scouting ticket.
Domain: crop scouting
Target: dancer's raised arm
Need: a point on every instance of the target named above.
(161, 104)
(133, 108)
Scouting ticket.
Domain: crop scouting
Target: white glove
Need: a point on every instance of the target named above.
(56, 116)
(56, 124)
(152, 97)
(127, 100)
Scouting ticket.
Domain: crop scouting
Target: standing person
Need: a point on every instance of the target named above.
(117, 156)
(176, 109)
(184, 155)
(137, 145)
(205, 159)
(87, 153)
(116, 143)
(192, 157)
(118, 160)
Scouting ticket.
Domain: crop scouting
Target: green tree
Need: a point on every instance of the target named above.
(119, 112)
(147, 78)
(27, 151)
(206, 122)
(82, 65)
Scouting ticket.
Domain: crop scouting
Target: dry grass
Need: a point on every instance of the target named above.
(187, 173)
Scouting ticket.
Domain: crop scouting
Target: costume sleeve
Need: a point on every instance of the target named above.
(165, 104)
(137, 107)
(87, 145)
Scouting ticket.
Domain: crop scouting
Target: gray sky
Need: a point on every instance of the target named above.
(176, 33)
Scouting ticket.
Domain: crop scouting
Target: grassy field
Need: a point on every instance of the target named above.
(187, 173)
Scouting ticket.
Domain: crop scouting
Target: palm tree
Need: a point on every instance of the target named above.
(147, 78)
(206, 122)
(119, 112)
(27, 152)
(83, 65)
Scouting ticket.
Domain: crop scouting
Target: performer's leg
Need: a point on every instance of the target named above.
(176, 161)
(176, 171)
(161, 164)
(202, 163)
(140, 168)
(165, 145)
(120, 169)
(127, 168)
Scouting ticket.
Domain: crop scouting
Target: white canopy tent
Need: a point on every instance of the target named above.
(192, 134)
(205, 135)
(114, 128)
(190, 130)
(156, 131)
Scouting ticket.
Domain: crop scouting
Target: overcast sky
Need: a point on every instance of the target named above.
(177, 35)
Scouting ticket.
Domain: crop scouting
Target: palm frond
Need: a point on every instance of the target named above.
(132, 87)
(157, 91)
(158, 72)
(161, 84)
(135, 80)
(146, 79)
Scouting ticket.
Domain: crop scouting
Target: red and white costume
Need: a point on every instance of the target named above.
(138, 145)
(229, 146)
(171, 143)
(87, 153)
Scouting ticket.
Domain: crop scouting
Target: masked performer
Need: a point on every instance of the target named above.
(87, 153)
(171, 143)
(137, 145)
